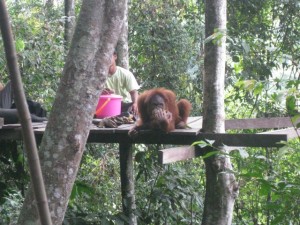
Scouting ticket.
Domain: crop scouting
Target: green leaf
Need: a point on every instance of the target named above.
(265, 187)
(260, 157)
(283, 151)
(209, 154)
(281, 185)
(245, 46)
(251, 175)
(238, 67)
(80, 188)
(235, 58)
(295, 119)
(201, 144)
(291, 104)
(258, 88)
(247, 85)
(20, 45)
(210, 141)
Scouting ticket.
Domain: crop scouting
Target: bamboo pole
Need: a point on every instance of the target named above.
(24, 115)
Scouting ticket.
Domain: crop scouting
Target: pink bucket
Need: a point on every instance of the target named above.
(108, 105)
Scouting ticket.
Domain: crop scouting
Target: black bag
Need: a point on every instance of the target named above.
(35, 108)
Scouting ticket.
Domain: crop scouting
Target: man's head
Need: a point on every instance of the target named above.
(113, 65)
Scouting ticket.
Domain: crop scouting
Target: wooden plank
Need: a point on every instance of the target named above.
(259, 123)
(11, 126)
(253, 123)
(177, 137)
(175, 154)
(290, 132)
(245, 140)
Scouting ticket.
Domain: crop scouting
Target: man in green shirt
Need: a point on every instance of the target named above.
(122, 82)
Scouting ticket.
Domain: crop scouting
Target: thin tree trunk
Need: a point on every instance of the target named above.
(127, 182)
(69, 21)
(49, 3)
(122, 47)
(84, 75)
(221, 187)
(24, 115)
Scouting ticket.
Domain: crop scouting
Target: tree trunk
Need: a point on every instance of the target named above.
(69, 21)
(122, 47)
(84, 75)
(221, 187)
(49, 3)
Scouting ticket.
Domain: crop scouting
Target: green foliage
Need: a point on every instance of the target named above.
(165, 41)
(13, 175)
(14, 179)
(269, 186)
(164, 190)
(262, 57)
(96, 192)
(11, 207)
(268, 179)
(40, 48)
(166, 50)
(159, 191)
(262, 98)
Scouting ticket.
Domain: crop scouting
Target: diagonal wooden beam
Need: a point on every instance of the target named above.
(291, 132)
(175, 154)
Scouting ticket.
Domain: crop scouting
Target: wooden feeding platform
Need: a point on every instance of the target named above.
(181, 137)
(282, 131)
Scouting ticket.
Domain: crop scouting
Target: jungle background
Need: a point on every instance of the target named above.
(166, 50)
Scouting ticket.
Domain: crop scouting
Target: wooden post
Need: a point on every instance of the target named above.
(23, 111)
(127, 182)
(1, 122)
